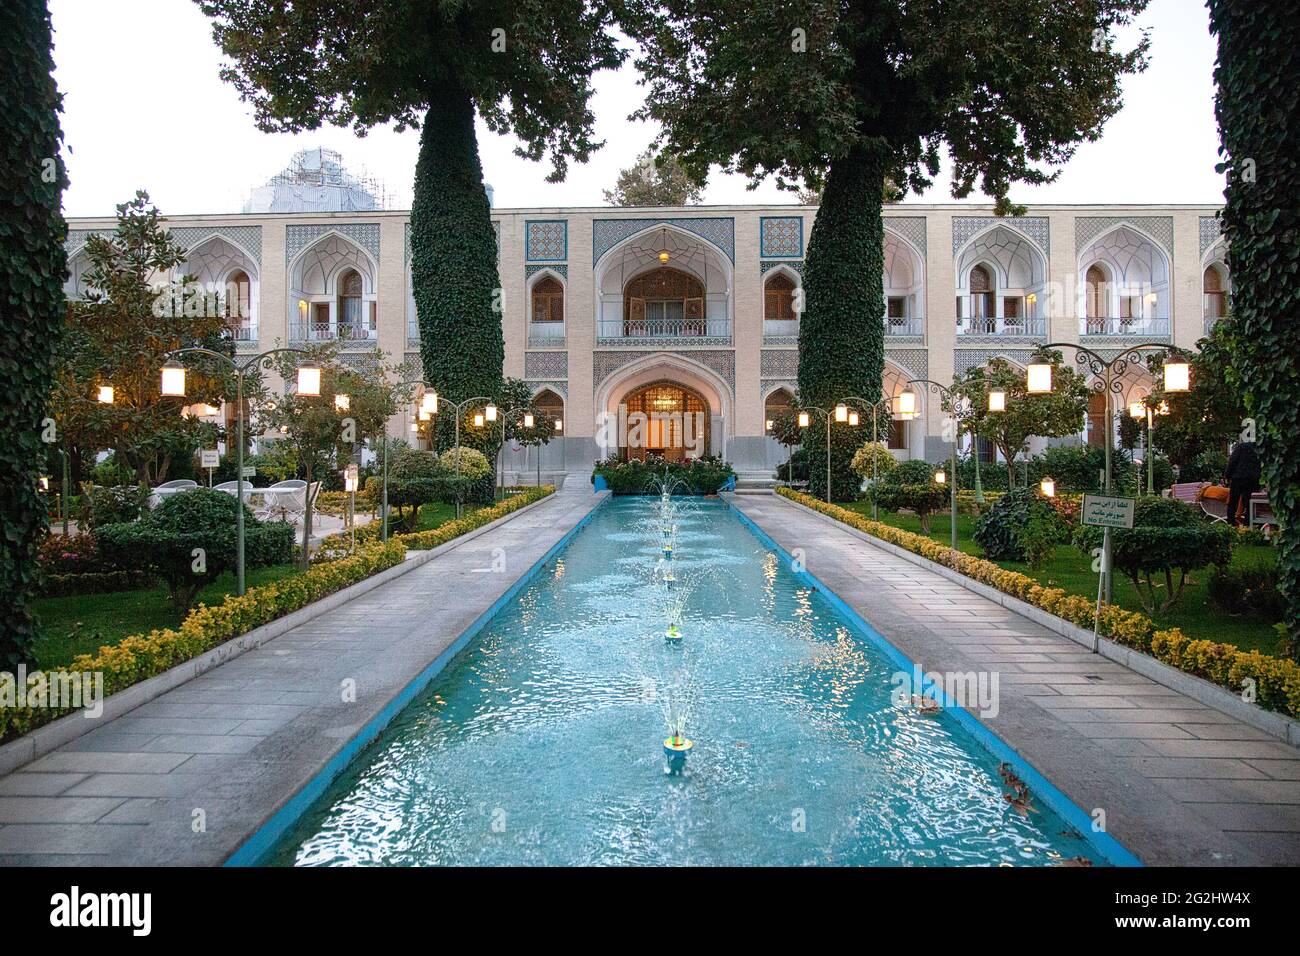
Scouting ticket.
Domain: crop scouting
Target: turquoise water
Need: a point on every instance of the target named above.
(542, 742)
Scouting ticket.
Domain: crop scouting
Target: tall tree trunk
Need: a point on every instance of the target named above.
(841, 332)
(454, 264)
(32, 269)
(1257, 76)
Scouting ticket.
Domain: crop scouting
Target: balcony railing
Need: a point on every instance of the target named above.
(1153, 327)
(900, 325)
(545, 333)
(612, 331)
(241, 333)
(1002, 325)
(312, 332)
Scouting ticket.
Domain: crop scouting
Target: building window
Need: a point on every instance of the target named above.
(664, 302)
(778, 299)
(981, 293)
(350, 301)
(777, 407)
(548, 300)
(1216, 299)
(665, 419)
(897, 434)
(238, 304)
(1095, 304)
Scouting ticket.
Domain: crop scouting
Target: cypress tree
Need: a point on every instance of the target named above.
(33, 266)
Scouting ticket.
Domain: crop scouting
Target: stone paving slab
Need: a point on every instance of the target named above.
(233, 745)
(1181, 783)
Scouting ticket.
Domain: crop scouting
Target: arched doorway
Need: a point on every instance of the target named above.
(664, 419)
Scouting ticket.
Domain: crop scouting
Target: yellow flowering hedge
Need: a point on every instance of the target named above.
(141, 656)
(1277, 680)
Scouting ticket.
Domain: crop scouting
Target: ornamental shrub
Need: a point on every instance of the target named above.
(883, 463)
(696, 476)
(190, 539)
(1022, 525)
(1168, 539)
(100, 506)
(921, 499)
(473, 463)
(914, 471)
(1251, 591)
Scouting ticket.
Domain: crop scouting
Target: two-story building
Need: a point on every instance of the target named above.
(696, 309)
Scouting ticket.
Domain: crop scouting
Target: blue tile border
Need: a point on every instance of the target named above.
(1105, 844)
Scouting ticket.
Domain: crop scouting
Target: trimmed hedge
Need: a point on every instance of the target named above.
(141, 656)
(702, 476)
(94, 582)
(1277, 681)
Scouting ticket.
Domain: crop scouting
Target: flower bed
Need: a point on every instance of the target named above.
(142, 656)
(1277, 680)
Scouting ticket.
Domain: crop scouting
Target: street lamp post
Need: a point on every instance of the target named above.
(529, 415)
(173, 385)
(953, 403)
(383, 504)
(1107, 375)
(805, 419)
(490, 415)
(874, 408)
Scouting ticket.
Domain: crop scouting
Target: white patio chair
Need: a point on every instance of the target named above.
(170, 488)
(232, 488)
(288, 498)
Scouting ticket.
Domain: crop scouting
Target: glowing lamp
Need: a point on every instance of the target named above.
(1040, 378)
(491, 413)
(105, 395)
(940, 477)
(528, 419)
(559, 424)
(478, 419)
(342, 402)
(997, 401)
(804, 419)
(414, 427)
(350, 478)
(309, 380)
(664, 257)
(423, 415)
(841, 413)
(1137, 410)
(429, 402)
(1031, 298)
(173, 378)
(1048, 487)
(767, 425)
(905, 405)
(1178, 376)
(45, 483)
(853, 419)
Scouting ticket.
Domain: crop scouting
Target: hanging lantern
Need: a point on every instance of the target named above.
(997, 401)
(559, 424)
(173, 379)
(841, 413)
(1137, 410)
(342, 402)
(104, 395)
(309, 380)
(1040, 378)
(478, 419)
(905, 405)
(853, 419)
(804, 419)
(1178, 376)
(1048, 487)
(429, 402)
(528, 419)
(491, 413)
(940, 477)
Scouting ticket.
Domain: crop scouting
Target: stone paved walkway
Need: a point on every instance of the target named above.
(1181, 783)
(236, 743)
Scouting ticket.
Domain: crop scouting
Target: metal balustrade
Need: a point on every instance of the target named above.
(1002, 325)
(663, 328)
(313, 332)
(1121, 326)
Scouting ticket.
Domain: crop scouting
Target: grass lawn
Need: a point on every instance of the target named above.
(1070, 569)
(81, 623)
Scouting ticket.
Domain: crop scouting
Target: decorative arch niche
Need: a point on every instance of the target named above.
(663, 418)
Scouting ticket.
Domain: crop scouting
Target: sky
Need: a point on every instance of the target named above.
(144, 107)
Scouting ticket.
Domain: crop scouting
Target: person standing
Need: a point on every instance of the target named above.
(1242, 476)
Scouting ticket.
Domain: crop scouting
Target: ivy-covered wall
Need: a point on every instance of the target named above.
(32, 269)
(454, 263)
(841, 332)
(1258, 76)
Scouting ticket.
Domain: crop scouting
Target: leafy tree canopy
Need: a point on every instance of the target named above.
(136, 313)
(657, 179)
(1050, 415)
(1008, 87)
(527, 66)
